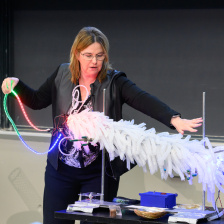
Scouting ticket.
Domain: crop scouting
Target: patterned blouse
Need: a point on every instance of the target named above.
(83, 156)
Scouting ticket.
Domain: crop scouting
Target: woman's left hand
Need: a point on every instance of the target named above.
(182, 125)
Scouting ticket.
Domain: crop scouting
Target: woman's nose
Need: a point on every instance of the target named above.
(94, 60)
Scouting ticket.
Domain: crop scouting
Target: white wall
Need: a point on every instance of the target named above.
(22, 182)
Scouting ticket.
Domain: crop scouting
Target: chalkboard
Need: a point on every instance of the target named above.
(173, 54)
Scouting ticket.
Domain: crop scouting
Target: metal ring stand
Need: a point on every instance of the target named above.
(203, 135)
(91, 195)
(103, 153)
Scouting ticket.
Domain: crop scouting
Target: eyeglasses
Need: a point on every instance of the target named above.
(89, 57)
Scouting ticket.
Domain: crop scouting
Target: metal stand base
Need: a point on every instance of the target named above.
(88, 205)
(191, 216)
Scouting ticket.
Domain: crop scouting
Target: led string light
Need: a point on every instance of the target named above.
(16, 130)
(32, 125)
(25, 114)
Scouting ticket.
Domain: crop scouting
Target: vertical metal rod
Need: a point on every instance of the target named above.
(103, 152)
(203, 133)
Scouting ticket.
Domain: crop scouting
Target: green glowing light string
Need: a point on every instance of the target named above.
(16, 130)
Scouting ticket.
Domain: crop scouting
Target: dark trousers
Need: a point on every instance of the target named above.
(62, 187)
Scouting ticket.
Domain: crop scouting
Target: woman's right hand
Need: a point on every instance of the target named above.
(7, 87)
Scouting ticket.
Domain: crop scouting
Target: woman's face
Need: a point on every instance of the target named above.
(91, 68)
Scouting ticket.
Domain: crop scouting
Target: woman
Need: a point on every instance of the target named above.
(67, 176)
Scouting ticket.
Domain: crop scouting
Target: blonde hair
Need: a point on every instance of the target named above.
(86, 37)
